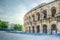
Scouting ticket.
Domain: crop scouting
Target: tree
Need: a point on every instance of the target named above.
(3, 25)
(18, 27)
(15, 27)
(0, 23)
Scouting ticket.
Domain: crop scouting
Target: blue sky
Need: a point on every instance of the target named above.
(13, 11)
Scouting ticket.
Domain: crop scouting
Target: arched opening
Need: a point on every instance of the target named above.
(33, 17)
(44, 28)
(38, 29)
(53, 11)
(38, 16)
(53, 29)
(33, 29)
(29, 29)
(45, 14)
(26, 29)
(29, 18)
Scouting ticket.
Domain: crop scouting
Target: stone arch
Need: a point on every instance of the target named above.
(53, 28)
(33, 29)
(53, 11)
(29, 29)
(26, 29)
(44, 28)
(33, 17)
(29, 19)
(38, 16)
(45, 13)
(38, 29)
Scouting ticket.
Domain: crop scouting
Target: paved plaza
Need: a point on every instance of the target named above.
(15, 36)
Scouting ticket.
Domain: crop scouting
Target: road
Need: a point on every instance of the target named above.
(14, 36)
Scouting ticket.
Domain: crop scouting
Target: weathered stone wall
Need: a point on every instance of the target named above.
(43, 21)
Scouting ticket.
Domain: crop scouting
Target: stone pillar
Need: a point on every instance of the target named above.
(31, 29)
(28, 29)
(48, 28)
(35, 29)
(58, 27)
(41, 29)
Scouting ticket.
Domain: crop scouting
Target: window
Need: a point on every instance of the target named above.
(29, 19)
(33, 17)
(45, 14)
(53, 11)
(38, 16)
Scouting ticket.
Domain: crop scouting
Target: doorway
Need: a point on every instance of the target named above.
(53, 29)
(38, 29)
(44, 28)
(33, 29)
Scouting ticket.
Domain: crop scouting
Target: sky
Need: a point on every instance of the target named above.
(13, 11)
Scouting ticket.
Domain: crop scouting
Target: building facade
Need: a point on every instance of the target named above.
(44, 18)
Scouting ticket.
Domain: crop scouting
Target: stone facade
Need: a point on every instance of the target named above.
(44, 18)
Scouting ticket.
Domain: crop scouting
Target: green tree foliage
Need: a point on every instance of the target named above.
(3, 25)
(18, 27)
(0, 23)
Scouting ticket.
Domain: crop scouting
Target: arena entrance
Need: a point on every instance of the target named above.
(44, 28)
(29, 29)
(38, 29)
(33, 29)
(53, 29)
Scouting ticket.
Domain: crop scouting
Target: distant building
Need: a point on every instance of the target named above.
(44, 18)
(11, 26)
